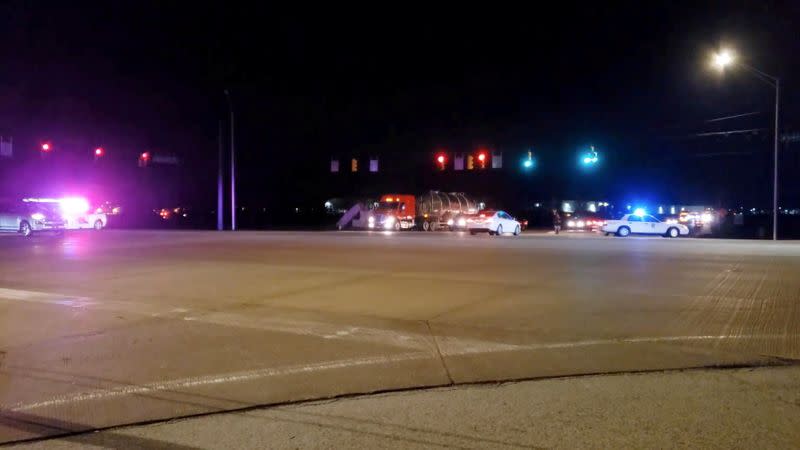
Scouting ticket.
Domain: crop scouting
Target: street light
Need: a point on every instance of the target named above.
(725, 58)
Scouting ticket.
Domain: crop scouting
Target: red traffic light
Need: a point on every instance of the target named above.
(46, 147)
(144, 159)
(482, 158)
(441, 160)
(99, 151)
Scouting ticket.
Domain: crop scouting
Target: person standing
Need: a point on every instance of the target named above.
(556, 221)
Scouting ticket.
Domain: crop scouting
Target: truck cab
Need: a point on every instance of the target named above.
(393, 212)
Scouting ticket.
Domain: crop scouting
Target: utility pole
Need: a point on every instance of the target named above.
(220, 187)
(233, 163)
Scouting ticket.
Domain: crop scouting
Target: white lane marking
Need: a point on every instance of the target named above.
(311, 328)
(324, 330)
(190, 382)
(43, 297)
(453, 346)
(184, 383)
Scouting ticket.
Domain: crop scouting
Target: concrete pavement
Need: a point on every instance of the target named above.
(103, 329)
(728, 408)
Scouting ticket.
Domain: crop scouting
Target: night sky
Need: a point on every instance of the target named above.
(402, 81)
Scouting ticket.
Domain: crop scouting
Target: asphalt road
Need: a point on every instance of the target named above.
(102, 329)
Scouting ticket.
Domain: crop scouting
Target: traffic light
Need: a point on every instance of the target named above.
(354, 165)
(482, 159)
(45, 149)
(528, 163)
(470, 162)
(441, 160)
(590, 157)
(99, 152)
(144, 159)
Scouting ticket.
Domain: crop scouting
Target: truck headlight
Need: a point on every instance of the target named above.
(371, 219)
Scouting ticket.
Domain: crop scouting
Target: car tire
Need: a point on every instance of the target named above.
(499, 231)
(98, 225)
(623, 232)
(517, 231)
(25, 229)
(673, 232)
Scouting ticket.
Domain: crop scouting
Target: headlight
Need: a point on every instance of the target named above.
(571, 223)
(450, 222)
(462, 222)
(37, 216)
(580, 224)
(371, 219)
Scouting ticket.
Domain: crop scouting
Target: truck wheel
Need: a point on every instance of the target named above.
(434, 226)
(396, 226)
(426, 226)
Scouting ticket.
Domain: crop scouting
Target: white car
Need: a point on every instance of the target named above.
(643, 224)
(96, 221)
(493, 222)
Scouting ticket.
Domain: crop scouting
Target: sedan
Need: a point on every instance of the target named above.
(493, 222)
(27, 218)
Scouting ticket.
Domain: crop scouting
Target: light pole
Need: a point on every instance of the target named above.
(726, 58)
(233, 164)
(220, 186)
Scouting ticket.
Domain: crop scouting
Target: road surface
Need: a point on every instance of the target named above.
(116, 327)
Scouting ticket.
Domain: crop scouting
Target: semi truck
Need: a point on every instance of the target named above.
(431, 211)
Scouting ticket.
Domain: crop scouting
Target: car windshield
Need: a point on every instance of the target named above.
(277, 223)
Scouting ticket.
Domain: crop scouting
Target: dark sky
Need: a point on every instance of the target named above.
(398, 82)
